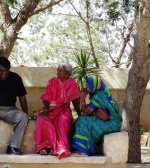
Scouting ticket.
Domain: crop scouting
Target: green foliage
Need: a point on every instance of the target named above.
(141, 129)
(32, 116)
(59, 34)
(116, 8)
(130, 6)
(84, 68)
(113, 13)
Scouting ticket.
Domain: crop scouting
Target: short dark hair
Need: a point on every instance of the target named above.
(5, 62)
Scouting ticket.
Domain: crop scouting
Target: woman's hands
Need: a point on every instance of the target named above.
(85, 109)
(83, 103)
(84, 92)
(44, 113)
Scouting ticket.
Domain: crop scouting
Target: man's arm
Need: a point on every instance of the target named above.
(23, 103)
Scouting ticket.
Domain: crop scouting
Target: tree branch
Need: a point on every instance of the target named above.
(1, 27)
(49, 5)
(78, 12)
(5, 13)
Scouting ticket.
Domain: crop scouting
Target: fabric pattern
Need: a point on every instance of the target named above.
(52, 131)
(89, 129)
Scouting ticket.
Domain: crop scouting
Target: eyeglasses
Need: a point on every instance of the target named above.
(3, 71)
(59, 70)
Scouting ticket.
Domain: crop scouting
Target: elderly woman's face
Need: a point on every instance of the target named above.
(62, 73)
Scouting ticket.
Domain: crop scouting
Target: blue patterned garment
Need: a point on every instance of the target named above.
(89, 129)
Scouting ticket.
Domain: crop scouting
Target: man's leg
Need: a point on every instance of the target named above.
(19, 119)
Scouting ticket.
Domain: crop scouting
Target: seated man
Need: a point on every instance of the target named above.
(11, 86)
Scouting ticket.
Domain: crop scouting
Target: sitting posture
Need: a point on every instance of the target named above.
(11, 86)
(54, 119)
(90, 127)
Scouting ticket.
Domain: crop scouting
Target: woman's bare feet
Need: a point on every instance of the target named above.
(78, 153)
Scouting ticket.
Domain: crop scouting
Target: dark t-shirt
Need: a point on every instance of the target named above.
(10, 89)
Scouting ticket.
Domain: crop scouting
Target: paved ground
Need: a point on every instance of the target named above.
(138, 166)
(145, 154)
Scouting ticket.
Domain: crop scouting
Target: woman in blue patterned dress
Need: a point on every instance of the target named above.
(89, 128)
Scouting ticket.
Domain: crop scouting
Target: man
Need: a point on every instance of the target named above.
(11, 87)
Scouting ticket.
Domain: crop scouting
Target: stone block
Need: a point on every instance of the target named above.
(145, 139)
(116, 146)
(5, 134)
(28, 144)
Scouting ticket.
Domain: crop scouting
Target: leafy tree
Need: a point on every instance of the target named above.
(63, 30)
(123, 18)
(60, 33)
(88, 30)
(14, 15)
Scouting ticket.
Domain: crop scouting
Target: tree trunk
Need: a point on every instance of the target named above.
(139, 75)
(134, 95)
(7, 43)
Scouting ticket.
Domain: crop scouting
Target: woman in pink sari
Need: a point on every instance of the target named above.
(54, 120)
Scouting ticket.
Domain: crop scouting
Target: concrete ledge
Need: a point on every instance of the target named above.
(38, 161)
(35, 158)
(115, 144)
(115, 148)
(145, 155)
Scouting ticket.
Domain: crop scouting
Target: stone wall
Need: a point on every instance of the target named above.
(35, 80)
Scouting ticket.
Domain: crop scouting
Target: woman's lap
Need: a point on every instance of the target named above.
(93, 129)
(51, 133)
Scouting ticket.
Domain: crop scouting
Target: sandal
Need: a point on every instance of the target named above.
(51, 151)
(44, 151)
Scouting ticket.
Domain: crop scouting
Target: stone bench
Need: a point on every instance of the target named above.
(115, 145)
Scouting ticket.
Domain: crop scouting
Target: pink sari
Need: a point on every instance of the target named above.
(52, 131)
